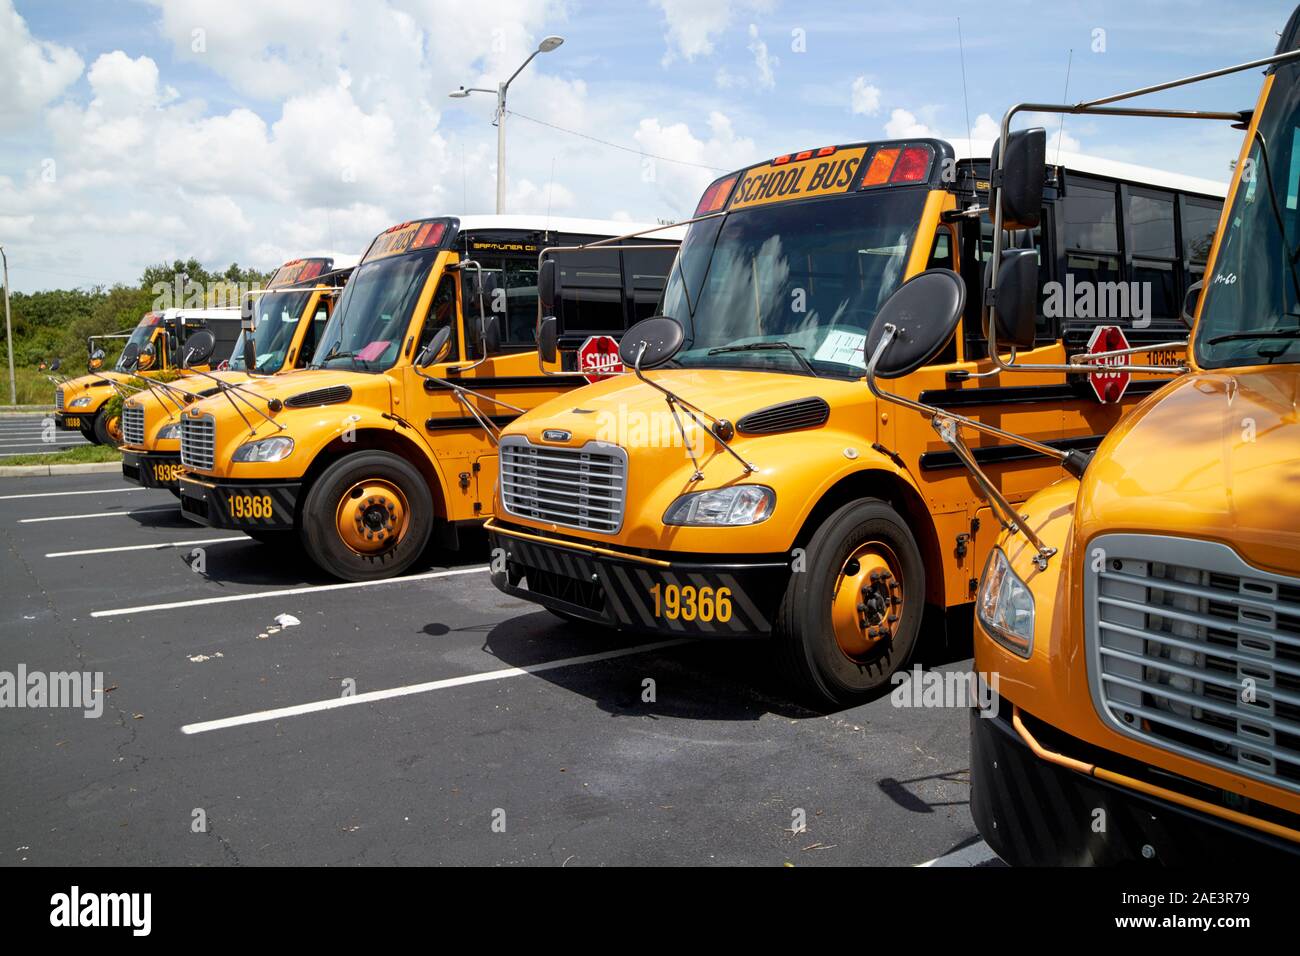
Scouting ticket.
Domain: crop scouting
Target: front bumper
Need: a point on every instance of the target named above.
(265, 506)
(73, 421)
(152, 469)
(692, 595)
(1036, 813)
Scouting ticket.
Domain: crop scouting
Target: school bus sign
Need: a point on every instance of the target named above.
(828, 170)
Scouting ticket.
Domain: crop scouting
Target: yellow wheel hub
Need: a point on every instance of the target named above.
(372, 516)
(114, 428)
(867, 603)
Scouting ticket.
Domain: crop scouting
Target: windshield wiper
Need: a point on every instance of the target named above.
(794, 350)
(1265, 334)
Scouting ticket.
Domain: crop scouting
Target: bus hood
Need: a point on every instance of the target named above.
(626, 411)
(1215, 456)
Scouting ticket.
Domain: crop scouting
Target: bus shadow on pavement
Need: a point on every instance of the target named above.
(727, 680)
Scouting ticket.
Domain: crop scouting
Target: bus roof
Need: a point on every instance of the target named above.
(1111, 168)
(884, 164)
(592, 227)
(205, 315)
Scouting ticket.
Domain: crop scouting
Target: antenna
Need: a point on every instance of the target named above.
(1060, 131)
(961, 49)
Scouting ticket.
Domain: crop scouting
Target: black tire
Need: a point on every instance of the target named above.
(821, 672)
(100, 427)
(88, 431)
(318, 532)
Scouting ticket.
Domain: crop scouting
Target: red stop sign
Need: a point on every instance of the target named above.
(598, 358)
(1108, 386)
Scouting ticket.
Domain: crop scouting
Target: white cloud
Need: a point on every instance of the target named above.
(764, 62)
(692, 25)
(123, 85)
(904, 125)
(865, 98)
(681, 185)
(33, 73)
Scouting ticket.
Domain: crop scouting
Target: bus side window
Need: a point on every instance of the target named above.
(442, 312)
(976, 248)
(516, 279)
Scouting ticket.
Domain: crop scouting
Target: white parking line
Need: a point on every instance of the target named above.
(376, 695)
(57, 494)
(98, 514)
(146, 547)
(310, 589)
(977, 854)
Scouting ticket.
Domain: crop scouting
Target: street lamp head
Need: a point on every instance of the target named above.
(459, 93)
(549, 44)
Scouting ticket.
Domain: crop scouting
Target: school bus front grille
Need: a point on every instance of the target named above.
(133, 424)
(571, 487)
(1194, 651)
(58, 399)
(198, 442)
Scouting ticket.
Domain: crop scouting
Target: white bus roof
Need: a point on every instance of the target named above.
(204, 314)
(1114, 169)
(586, 227)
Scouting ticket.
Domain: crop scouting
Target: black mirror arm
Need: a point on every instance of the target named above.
(674, 402)
(462, 394)
(948, 426)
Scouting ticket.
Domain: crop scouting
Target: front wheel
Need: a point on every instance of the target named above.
(108, 429)
(367, 516)
(853, 618)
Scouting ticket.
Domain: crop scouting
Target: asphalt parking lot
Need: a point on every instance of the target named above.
(24, 434)
(482, 730)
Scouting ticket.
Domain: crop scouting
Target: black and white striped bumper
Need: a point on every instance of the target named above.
(662, 597)
(264, 507)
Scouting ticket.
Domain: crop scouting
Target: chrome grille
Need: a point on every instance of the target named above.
(198, 442)
(58, 399)
(1194, 651)
(573, 487)
(133, 424)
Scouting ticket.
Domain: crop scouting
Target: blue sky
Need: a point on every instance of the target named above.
(137, 130)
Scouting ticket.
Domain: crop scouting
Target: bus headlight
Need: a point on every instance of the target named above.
(723, 507)
(80, 402)
(171, 430)
(268, 449)
(1005, 606)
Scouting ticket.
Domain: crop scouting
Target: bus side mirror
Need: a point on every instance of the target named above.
(1023, 170)
(651, 342)
(250, 352)
(147, 354)
(432, 352)
(1190, 301)
(546, 286)
(548, 338)
(58, 363)
(198, 348)
(1015, 299)
(923, 314)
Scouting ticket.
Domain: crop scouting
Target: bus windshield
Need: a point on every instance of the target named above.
(369, 325)
(140, 337)
(277, 320)
(1251, 314)
(798, 284)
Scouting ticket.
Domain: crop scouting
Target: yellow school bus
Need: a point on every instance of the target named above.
(1147, 644)
(285, 321)
(388, 440)
(746, 481)
(152, 349)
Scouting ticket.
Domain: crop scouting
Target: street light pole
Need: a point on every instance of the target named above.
(546, 46)
(9, 333)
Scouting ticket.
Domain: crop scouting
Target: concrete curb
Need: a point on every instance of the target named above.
(27, 471)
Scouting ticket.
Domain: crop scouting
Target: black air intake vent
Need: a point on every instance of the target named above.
(786, 417)
(320, 396)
